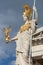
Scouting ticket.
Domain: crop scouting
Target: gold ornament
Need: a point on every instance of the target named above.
(25, 27)
(7, 31)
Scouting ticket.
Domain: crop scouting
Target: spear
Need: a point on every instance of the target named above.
(30, 41)
(33, 10)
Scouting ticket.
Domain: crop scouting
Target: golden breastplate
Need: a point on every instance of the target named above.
(26, 26)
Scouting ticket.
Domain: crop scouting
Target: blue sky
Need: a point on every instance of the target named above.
(11, 14)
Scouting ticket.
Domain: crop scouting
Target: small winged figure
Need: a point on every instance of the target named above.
(7, 31)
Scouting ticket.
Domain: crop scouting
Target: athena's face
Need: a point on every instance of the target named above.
(24, 16)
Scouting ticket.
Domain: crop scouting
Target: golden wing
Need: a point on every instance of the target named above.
(9, 29)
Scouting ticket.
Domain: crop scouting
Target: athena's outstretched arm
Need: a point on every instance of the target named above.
(16, 37)
(13, 39)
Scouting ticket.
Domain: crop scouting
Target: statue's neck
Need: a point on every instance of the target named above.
(27, 20)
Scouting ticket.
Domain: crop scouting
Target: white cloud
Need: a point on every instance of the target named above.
(12, 63)
(7, 50)
(3, 54)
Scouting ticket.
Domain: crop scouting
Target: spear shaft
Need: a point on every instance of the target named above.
(33, 10)
(30, 40)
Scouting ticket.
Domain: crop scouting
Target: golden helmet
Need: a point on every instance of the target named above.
(28, 10)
